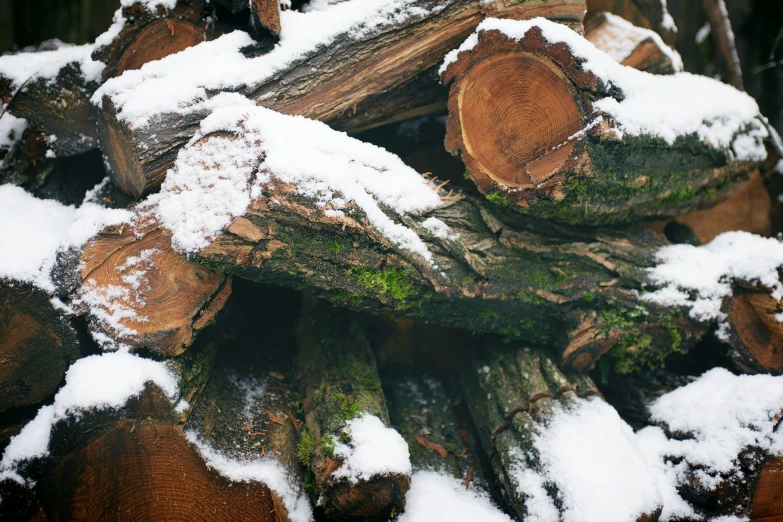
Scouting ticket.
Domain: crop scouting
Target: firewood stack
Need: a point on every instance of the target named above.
(217, 305)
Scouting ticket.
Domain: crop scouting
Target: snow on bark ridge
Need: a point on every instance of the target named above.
(97, 382)
(700, 277)
(214, 180)
(26, 67)
(172, 84)
(658, 106)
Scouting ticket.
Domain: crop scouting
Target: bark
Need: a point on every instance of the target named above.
(339, 380)
(511, 393)
(60, 108)
(37, 343)
(428, 416)
(643, 13)
(266, 14)
(138, 292)
(585, 174)
(645, 53)
(726, 55)
(351, 76)
(565, 287)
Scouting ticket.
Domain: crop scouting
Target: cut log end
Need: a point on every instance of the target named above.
(380, 498)
(755, 335)
(158, 40)
(150, 472)
(768, 497)
(529, 103)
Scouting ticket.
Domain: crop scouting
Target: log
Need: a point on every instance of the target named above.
(428, 417)
(643, 13)
(553, 150)
(513, 393)
(265, 14)
(633, 46)
(754, 332)
(37, 343)
(726, 56)
(140, 294)
(389, 58)
(554, 285)
(339, 382)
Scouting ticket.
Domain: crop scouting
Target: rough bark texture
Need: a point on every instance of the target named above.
(351, 75)
(595, 178)
(266, 14)
(37, 343)
(510, 393)
(645, 54)
(339, 381)
(163, 299)
(552, 285)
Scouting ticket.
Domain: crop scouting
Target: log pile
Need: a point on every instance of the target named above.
(215, 304)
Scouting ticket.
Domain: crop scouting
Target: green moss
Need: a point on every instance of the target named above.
(349, 407)
(391, 282)
(306, 447)
(334, 246)
(589, 297)
(327, 445)
(497, 198)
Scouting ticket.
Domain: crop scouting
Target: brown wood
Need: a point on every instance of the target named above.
(361, 83)
(767, 503)
(173, 298)
(755, 335)
(519, 113)
(37, 343)
(644, 51)
(266, 14)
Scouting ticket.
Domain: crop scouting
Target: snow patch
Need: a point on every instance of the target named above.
(11, 129)
(213, 182)
(26, 67)
(659, 106)
(97, 382)
(373, 449)
(33, 231)
(265, 470)
(700, 277)
(435, 496)
(438, 228)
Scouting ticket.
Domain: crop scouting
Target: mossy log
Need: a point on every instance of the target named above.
(573, 289)
(339, 381)
(351, 76)
(138, 292)
(429, 417)
(511, 393)
(523, 119)
(634, 46)
(37, 343)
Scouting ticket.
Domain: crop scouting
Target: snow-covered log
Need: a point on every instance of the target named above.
(37, 342)
(559, 451)
(348, 65)
(548, 123)
(633, 46)
(361, 466)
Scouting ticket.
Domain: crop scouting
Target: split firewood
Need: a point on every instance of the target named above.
(533, 421)
(358, 63)
(755, 332)
(572, 137)
(117, 411)
(37, 343)
(649, 14)
(360, 466)
(633, 46)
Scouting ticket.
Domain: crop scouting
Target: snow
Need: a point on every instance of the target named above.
(659, 106)
(373, 449)
(700, 277)
(11, 129)
(265, 470)
(703, 33)
(589, 452)
(173, 84)
(723, 414)
(213, 182)
(618, 38)
(97, 382)
(33, 231)
(667, 22)
(26, 67)
(438, 228)
(435, 497)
